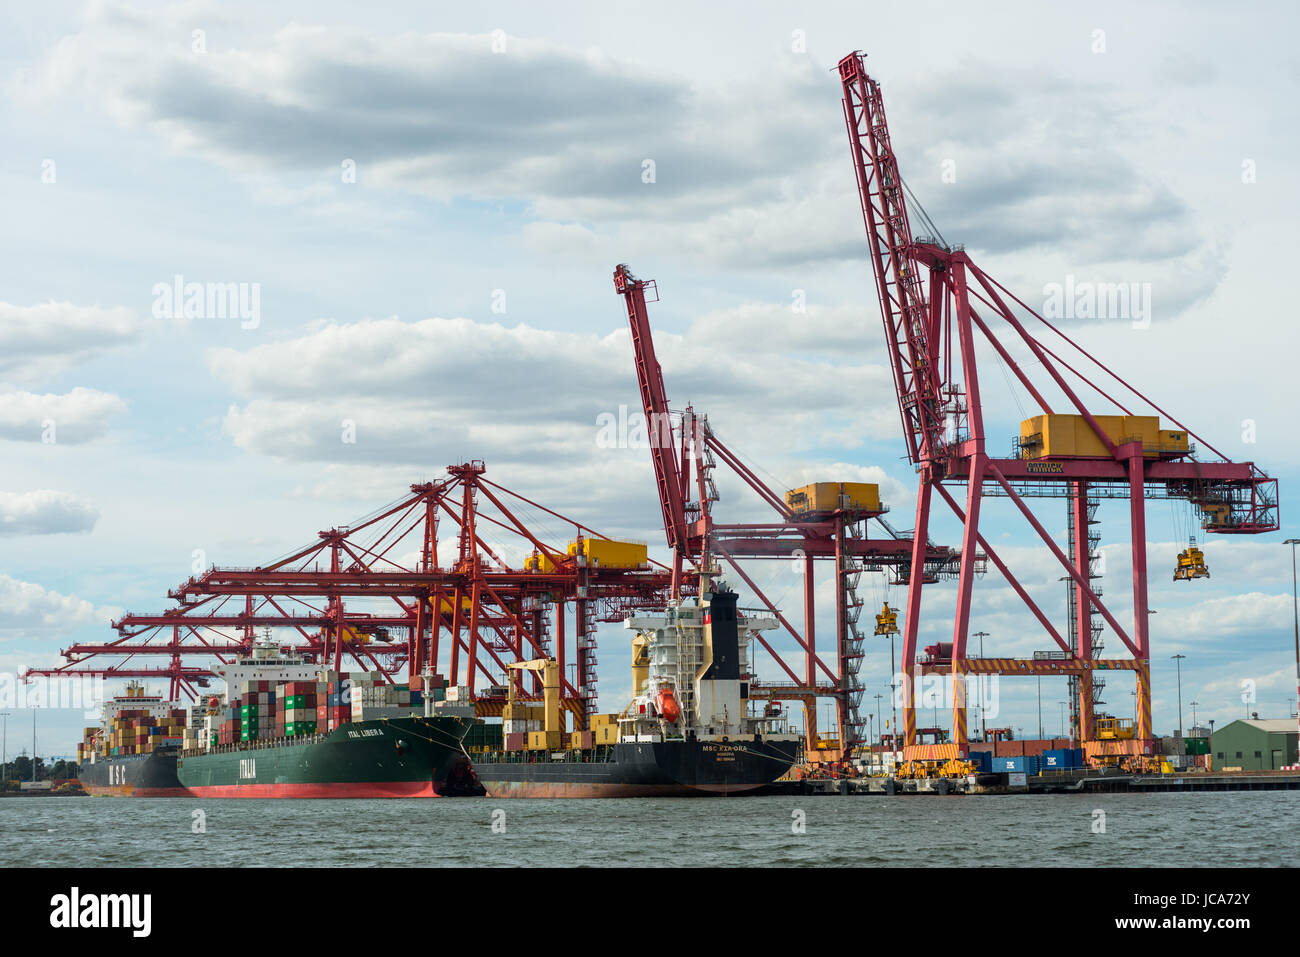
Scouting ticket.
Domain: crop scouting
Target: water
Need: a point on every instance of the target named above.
(1234, 829)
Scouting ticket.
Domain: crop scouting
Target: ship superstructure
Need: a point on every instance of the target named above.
(687, 731)
(694, 682)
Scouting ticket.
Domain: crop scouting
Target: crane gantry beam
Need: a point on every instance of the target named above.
(471, 612)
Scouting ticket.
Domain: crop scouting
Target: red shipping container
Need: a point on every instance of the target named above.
(515, 742)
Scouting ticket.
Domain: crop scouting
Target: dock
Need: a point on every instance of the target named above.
(1064, 782)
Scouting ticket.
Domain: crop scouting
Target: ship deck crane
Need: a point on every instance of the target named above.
(936, 303)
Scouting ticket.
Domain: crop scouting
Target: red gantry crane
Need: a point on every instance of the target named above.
(810, 525)
(378, 595)
(937, 304)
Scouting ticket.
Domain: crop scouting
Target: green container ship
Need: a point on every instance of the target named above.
(388, 757)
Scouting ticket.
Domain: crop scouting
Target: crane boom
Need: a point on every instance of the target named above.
(654, 402)
(910, 323)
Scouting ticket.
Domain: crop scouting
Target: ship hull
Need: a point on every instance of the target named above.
(393, 758)
(641, 769)
(132, 775)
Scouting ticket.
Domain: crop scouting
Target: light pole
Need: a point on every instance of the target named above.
(1295, 608)
(4, 751)
(984, 729)
(1063, 704)
(1179, 661)
(1040, 707)
(878, 697)
(1195, 705)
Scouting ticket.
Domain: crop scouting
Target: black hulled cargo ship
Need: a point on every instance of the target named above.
(132, 753)
(132, 775)
(687, 731)
(639, 769)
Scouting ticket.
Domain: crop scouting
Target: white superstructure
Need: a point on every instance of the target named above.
(265, 662)
(697, 664)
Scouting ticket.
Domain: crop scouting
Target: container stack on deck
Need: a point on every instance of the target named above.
(297, 704)
(133, 732)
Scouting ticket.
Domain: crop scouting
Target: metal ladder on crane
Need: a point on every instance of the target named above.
(853, 653)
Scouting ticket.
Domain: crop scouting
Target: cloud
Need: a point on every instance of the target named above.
(44, 512)
(37, 342)
(528, 395)
(29, 610)
(74, 417)
(749, 172)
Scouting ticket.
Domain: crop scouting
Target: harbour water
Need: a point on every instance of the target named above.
(1235, 829)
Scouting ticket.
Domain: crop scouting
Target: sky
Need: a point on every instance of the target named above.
(428, 200)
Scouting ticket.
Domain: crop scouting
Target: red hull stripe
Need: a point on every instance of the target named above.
(349, 789)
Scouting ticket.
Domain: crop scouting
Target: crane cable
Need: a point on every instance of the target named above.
(925, 217)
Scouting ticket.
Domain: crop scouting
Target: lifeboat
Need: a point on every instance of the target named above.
(668, 707)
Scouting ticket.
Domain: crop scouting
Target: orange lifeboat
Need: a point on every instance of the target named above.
(667, 702)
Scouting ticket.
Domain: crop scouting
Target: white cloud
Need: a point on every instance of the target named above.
(37, 342)
(75, 417)
(44, 512)
(29, 610)
(522, 394)
(755, 164)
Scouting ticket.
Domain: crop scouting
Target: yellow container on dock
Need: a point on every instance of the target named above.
(1070, 436)
(830, 496)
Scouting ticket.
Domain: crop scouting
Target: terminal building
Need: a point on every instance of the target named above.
(1254, 745)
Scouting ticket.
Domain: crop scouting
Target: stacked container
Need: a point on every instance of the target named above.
(298, 702)
(134, 732)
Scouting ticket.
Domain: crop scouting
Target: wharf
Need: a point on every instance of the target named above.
(1059, 782)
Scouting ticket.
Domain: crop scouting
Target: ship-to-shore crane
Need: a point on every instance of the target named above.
(937, 304)
(685, 451)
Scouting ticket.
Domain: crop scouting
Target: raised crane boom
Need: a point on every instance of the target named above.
(910, 325)
(654, 402)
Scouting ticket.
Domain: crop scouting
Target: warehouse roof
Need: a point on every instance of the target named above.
(1272, 725)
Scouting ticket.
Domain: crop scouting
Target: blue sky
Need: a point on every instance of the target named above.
(521, 171)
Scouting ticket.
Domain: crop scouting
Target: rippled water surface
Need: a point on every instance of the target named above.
(1246, 829)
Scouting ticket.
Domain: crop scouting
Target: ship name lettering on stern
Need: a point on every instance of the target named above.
(75, 910)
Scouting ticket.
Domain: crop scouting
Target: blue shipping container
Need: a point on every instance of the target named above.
(1016, 765)
(1057, 760)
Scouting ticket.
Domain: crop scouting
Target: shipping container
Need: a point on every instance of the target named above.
(1071, 436)
(1056, 761)
(603, 553)
(1019, 764)
(831, 496)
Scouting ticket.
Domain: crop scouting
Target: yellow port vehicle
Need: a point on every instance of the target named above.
(1108, 728)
